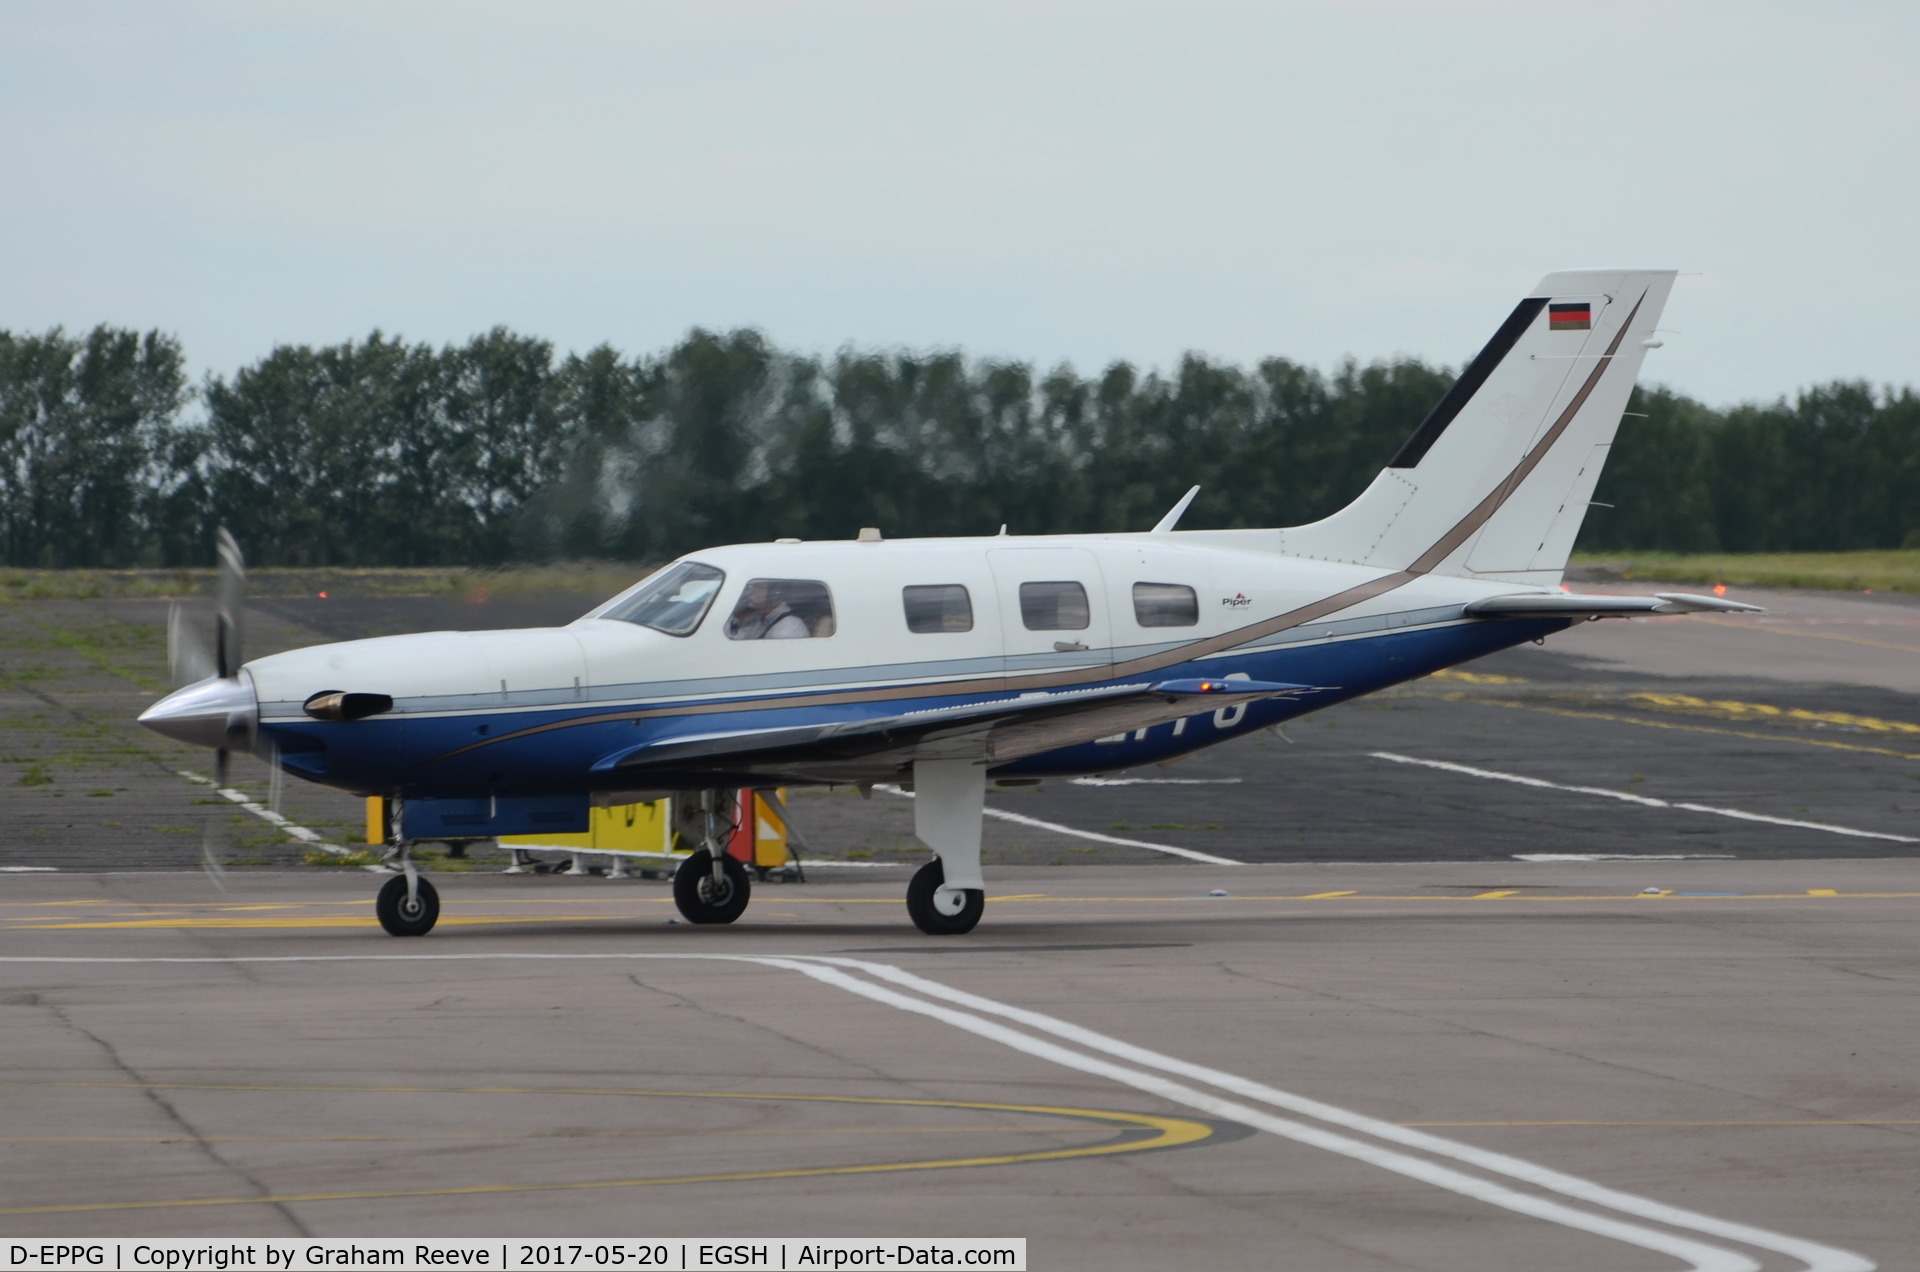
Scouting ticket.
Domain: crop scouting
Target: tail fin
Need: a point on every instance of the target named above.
(1496, 480)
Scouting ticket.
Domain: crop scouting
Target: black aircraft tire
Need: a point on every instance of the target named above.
(397, 917)
(927, 915)
(694, 893)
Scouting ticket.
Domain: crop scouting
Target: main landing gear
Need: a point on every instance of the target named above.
(947, 895)
(939, 910)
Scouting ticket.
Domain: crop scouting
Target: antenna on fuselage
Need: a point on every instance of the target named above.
(1165, 524)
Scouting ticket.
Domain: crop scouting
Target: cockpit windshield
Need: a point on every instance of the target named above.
(672, 601)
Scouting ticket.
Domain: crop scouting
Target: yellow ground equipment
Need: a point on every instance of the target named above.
(646, 829)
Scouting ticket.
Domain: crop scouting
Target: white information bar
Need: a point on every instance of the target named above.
(627, 1254)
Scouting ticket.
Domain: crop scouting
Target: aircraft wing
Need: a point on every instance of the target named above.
(1576, 605)
(875, 749)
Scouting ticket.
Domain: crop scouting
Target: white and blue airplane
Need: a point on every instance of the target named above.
(947, 664)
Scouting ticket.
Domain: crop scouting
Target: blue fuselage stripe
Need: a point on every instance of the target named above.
(453, 756)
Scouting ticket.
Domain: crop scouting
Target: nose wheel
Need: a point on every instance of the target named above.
(705, 894)
(407, 905)
(939, 910)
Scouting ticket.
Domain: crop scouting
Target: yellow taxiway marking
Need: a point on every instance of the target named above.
(1168, 1132)
(1776, 630)
(518, 1135)
(342, 920)
(479, 920)
(1735, 709)
(1787, 738)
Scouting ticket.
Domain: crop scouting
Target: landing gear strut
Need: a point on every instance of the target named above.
(710, 886)
(938, 910)
(947, 895)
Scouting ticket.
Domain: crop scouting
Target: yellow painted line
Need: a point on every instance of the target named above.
(1786, 738)
(1735, 709)
(1171, 1132)
(1775, 630)
(481, 920)
(1477, 677)
(338, 921)
(703, 1133)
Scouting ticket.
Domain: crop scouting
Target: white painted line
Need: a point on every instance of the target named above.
(1818, 1258)
(1021, 819)
(294, 829)
(1624, 856)
(1154, 781)
(1697, 1255)
(29, 869)
(1645, 800)
(834, 863)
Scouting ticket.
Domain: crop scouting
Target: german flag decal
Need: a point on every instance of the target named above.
(1571, 315)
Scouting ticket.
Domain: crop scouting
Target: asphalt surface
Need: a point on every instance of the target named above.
(1693, 1049)
(559, 1059)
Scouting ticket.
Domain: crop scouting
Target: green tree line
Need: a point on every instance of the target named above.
(381, 452)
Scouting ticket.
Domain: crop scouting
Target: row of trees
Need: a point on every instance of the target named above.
(380, 452)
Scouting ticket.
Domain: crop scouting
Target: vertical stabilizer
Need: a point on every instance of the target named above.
(1496, 480)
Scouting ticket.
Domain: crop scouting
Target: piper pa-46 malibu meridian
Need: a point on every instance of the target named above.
(945, 664)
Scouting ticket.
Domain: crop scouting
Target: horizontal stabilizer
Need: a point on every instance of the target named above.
(1576, 605)
(995, 732)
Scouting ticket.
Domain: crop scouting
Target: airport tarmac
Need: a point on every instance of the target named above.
(1599, 954)
(1584, 1065)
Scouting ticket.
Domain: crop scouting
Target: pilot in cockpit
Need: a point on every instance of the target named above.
(764, 614)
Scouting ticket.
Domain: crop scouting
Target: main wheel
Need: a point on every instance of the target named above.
(942, 913)
(701, 900)
(407, 918)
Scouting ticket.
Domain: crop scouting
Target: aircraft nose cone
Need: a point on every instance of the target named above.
(212, 712)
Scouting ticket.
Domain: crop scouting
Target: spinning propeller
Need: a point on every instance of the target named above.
(213, 704)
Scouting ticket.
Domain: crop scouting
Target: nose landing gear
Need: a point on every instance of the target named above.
(407, 904)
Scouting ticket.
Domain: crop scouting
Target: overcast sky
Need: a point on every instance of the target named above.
(1052, 182)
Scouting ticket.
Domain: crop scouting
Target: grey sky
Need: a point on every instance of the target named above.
(1046, 181)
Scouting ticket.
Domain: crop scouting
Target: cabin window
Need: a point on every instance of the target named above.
(938, 607)
(672, 601)
(1165, 605)
(1054, 607)
(781, 609)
